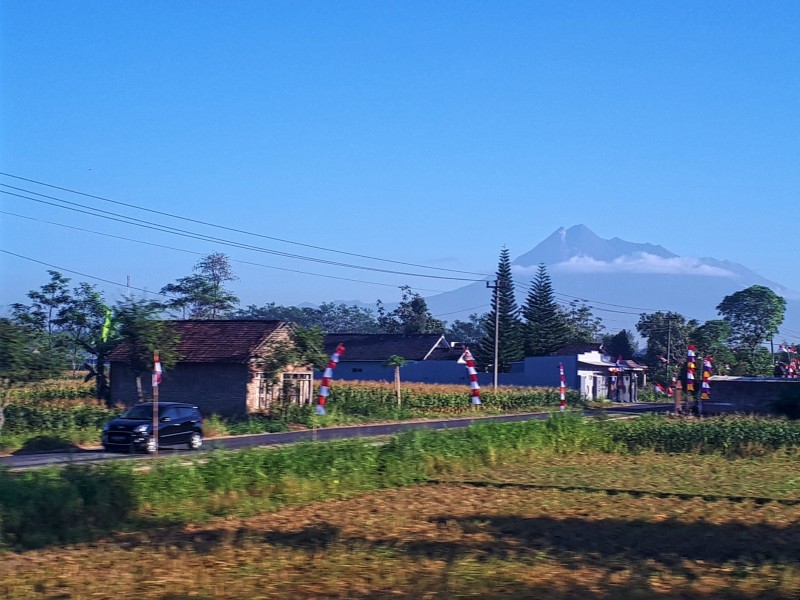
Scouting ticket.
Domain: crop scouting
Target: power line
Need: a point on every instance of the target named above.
(81, 274)
(232, 229)
(175, 231)
(202, 254)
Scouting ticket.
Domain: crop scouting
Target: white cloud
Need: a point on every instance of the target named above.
(641, 262)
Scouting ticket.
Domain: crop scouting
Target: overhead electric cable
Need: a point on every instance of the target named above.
(232, 229)
(119, 237)
(125, 285)
(175, 231)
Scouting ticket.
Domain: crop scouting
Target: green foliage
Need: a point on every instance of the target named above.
(544, 328)
(49, 506)
(753, 315)
(330, 317)
(583, 325)
(378, 400)
(143, 332)
(20, 359)
(667, 335)
(203, 294)
(730, 435)
(467, 332)
(304, 347)
(48, 417)
(410, 316)
(621, 344)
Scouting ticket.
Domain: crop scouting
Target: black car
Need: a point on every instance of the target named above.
(178, 423)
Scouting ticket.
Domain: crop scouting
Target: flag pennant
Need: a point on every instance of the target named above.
(705, 387)
(690, 366)
(475, 388)
(563, 392)
(324, 386)
(156, 371)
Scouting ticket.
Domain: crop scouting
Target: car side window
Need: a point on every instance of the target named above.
(171, 413)
(186, 414)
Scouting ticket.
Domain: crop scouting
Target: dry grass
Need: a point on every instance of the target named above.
(454, 540)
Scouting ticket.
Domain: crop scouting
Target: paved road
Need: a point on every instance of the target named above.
(30, 461)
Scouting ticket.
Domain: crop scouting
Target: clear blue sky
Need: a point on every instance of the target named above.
(425, 132)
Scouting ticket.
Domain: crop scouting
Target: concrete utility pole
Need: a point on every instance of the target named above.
(496, 287)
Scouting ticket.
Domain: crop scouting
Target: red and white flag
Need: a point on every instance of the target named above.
(156, 371)
(660, 389)
(475, 388)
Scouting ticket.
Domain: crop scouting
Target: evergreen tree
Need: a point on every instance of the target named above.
(505, 313)
(545, 329)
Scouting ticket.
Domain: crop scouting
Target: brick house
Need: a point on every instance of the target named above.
(221, 370)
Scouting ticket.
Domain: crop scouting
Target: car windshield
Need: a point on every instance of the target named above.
(140, 412)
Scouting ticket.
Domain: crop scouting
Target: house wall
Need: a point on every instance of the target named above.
(539, 371)
(219, 388)
(431, 371)
(748, 394)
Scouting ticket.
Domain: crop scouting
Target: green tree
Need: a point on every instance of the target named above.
(396, 362)
(203, 295)
(42, 316)
(667, 335)
(621, 344)
(754, 315)
(143, 331)
(81, 320)
(505, 313)
(584, 327)
(467, 332)
(711, 338)
(544, 328)
(410, 316)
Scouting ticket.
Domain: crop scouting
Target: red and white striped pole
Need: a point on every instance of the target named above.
(563, 405)
(475, 388)
(324, 386)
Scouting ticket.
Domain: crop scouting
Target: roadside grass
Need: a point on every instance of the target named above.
(62, 413)
(455, 540)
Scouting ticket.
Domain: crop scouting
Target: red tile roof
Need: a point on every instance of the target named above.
(214, 341)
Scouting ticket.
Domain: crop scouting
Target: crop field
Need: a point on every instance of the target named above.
(548, 525)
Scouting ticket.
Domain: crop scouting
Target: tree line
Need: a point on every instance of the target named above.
(61, 326)
(749, 319)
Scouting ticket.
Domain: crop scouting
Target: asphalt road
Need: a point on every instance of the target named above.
(32, 461)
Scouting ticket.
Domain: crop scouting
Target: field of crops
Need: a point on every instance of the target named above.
(564, 509)
(689, 536)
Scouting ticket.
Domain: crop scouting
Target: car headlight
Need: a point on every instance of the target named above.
(106, 427)
(141, 428)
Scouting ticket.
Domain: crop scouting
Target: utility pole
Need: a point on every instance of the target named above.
(669, 347)
(496, 287)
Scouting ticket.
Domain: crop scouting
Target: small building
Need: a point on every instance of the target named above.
(588, 368)
(222, 369)
(429, 357)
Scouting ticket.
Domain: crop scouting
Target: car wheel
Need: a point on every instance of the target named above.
(151, 446)
(195, 441)
(106, 448)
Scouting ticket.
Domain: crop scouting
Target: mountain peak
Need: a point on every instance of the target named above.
(578, 240)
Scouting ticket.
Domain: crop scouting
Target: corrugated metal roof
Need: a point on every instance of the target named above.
(214, 341)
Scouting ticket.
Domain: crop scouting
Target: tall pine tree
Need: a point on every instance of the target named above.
(545, 329)
(505, 313)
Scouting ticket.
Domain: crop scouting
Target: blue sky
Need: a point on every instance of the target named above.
(430, 133)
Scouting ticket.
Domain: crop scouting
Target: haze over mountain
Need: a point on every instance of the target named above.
(620, 280)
